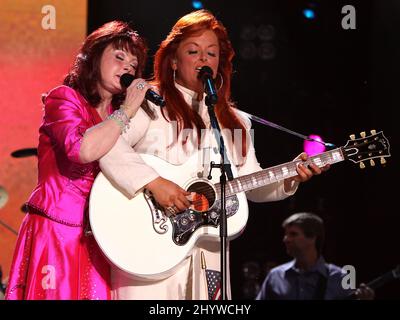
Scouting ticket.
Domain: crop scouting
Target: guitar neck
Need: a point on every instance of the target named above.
(380, 281)
(283, 171)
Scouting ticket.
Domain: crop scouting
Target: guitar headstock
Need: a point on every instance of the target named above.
(371, 147)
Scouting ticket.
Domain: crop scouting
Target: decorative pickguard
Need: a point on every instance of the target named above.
(205, 211)
(157, 214)
(186, 223)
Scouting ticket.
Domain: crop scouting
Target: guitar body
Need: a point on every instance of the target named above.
(136, 235)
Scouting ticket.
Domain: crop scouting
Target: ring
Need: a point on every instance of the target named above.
(172, 209)
(140, 86)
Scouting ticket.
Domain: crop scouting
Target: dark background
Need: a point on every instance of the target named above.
(322, 79)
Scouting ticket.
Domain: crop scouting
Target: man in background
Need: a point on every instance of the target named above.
(308, 276)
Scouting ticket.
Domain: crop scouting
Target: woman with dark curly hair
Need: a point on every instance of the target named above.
(54, 257)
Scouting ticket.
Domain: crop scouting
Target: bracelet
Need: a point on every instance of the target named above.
(120, 118)
(117, 121)
(122, 108)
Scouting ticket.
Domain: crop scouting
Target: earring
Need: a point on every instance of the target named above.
(222, 80)
(174, 74)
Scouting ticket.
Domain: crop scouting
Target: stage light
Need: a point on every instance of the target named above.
(266, 51)
(257, 41)
(309, 13)
(313, 148)
(248, 50)
(266, 32)
(248, 32)
(197, 5)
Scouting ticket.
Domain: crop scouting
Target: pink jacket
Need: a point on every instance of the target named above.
(64, 182)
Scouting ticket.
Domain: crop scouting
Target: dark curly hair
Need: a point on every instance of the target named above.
(85, 71)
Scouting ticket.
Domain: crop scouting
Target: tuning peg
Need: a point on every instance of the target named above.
(362, 134)
(352, 136)
(383, 161)
(372, 163)
(362, 165)
(373, 132)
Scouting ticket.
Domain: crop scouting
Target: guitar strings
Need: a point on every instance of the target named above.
(247, 180)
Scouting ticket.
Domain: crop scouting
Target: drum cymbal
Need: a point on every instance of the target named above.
(21, 153)
(3, 197)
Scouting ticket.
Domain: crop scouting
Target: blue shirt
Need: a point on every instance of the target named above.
(286, 282)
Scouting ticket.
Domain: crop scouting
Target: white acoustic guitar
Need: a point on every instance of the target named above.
(137, 236)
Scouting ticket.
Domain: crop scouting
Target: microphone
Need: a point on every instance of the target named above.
(126, 80)
(205, 74)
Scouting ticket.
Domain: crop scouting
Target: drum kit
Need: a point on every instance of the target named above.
(21, 153)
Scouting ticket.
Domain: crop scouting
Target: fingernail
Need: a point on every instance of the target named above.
(190, 196)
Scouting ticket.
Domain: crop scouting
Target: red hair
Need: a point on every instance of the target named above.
(178, 110)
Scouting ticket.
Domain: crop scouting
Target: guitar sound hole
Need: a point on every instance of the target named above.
(205, 196)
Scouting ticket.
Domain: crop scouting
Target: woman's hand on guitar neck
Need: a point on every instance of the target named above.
(169, 194)
(304, 173)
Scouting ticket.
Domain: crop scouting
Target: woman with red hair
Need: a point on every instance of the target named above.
(54, 257)
(178, 131)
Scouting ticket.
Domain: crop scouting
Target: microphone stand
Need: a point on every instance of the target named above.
(226, 171)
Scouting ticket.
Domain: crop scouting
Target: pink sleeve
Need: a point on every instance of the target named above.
(64, 121)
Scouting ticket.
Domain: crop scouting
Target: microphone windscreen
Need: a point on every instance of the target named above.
(205, 71)
(126, 80)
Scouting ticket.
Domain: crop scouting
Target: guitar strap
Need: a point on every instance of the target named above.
(321, 287)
